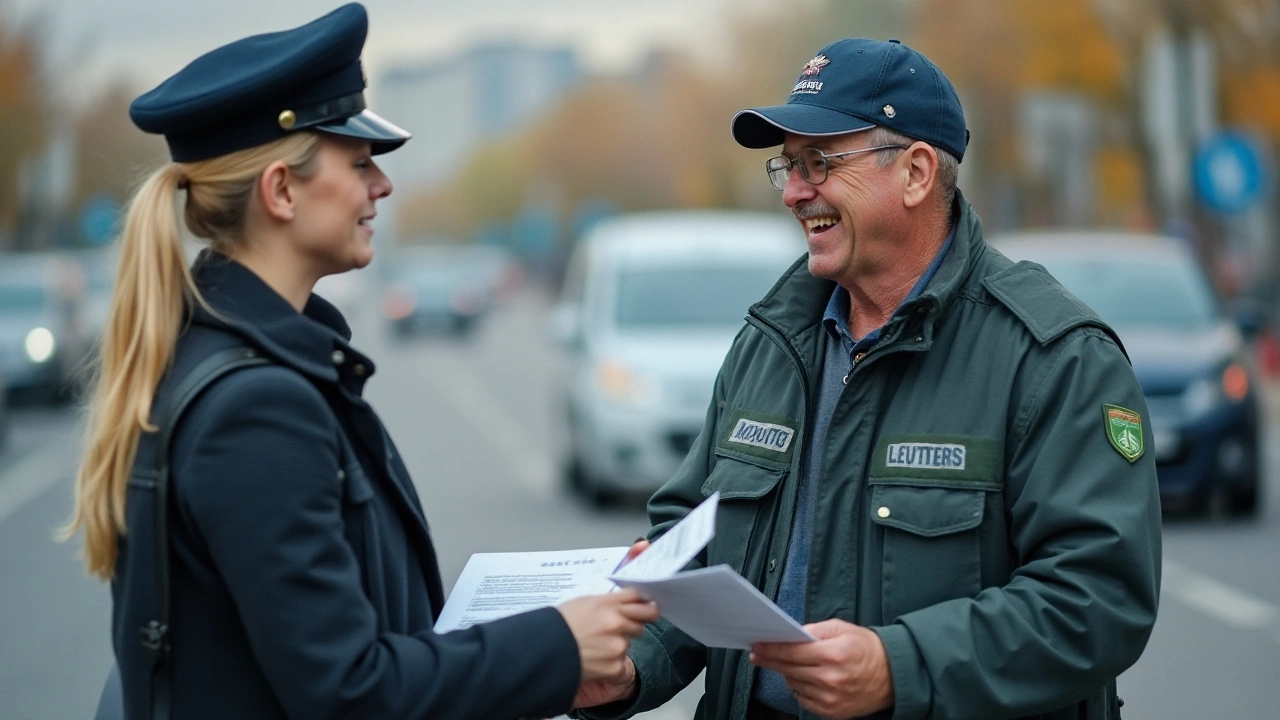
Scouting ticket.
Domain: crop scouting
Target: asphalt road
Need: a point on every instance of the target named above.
(476, 423)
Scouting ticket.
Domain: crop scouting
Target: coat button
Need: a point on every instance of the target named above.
(773, 563)
(358, 368)
(883, 512)
(338, 357)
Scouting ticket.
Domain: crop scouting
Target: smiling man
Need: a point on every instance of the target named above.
(953, 519)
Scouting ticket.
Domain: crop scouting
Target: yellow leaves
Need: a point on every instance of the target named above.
(1251, 98)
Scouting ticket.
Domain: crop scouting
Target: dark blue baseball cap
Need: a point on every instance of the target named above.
(261, 88)
(855, 84)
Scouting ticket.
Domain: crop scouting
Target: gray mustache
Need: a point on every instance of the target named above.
(814, 210)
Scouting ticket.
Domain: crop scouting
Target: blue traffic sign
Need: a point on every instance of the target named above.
(99, 219)
(1229, 172)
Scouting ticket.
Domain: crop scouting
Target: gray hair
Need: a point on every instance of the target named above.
(948, 166)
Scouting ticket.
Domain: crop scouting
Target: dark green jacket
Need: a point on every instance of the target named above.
(1015, 578)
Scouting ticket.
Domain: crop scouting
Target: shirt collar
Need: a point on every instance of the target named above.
(836, 317)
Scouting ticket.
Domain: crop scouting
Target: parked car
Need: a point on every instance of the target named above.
(43, 342)
(650, 305)
(4, 411)
(1188, 354)
(437, 288)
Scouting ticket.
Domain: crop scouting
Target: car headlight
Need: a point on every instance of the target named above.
(621, 384)
(39, 345)
(1230, 385)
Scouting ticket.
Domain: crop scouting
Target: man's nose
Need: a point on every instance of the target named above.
(798, 189)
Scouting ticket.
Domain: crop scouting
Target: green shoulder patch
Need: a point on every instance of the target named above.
(1124, 430)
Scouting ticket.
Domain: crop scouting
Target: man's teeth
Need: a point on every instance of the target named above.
(813, 224)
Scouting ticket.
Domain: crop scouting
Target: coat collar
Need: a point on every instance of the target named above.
(315, 342)
(797, 302)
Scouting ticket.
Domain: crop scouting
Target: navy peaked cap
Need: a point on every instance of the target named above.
(855, 84)
(261, 88)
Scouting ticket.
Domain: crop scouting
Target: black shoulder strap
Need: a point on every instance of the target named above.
(155, 634)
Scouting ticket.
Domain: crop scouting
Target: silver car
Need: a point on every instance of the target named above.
(650, 305)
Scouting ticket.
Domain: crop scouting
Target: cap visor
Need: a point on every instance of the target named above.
(383, 134)
(767, 126)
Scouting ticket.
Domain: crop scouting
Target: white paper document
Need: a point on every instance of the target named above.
(682, 543)
(715, 606)
(719, 608)
(497, 585)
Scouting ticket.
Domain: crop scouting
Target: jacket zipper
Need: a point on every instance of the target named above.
(775, 335)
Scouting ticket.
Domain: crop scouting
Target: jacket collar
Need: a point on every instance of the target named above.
(309, 342)
(797, 302)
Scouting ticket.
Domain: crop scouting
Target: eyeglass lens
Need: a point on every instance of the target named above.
(812, 164)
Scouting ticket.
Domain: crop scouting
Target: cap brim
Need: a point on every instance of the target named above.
(381, 133)
(767, 126)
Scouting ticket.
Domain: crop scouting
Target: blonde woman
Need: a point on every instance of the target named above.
(269, 558)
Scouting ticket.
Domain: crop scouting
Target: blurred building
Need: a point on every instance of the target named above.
(453, 105)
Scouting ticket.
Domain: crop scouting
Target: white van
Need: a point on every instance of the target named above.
(650, 305)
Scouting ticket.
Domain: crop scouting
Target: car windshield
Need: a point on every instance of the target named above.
(15, 298)
(1152, 292)
(690, 296)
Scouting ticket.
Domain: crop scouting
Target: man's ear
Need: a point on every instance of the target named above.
(922, 173)
(276, 193)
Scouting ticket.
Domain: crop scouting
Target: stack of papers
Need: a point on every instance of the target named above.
(715, 606)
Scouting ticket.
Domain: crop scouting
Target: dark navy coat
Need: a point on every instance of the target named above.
(304, 580)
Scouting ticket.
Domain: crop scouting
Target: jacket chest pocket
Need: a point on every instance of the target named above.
(746, 489)
(931, 549)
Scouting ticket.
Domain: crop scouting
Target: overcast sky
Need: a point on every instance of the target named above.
(147, 40)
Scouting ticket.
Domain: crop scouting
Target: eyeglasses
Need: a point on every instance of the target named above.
(812, 163)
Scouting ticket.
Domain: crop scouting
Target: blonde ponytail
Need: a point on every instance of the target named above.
(153, 292)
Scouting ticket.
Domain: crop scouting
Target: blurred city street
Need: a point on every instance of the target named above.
(479, 425)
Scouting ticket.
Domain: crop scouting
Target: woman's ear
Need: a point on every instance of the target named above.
(276, 193)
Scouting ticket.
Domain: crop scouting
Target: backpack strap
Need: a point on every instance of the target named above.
(155, 634)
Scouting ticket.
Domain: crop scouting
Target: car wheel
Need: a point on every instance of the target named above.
(1217, 503)
(1244, 502)
(580, 483)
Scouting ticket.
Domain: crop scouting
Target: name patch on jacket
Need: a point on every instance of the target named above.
(960, 461)
(760, 435)
(926, 455)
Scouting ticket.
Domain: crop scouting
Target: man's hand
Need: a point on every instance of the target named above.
(844, 674)
(599, 692)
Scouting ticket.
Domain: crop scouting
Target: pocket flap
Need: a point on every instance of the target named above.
(927, 511)
(740, 480)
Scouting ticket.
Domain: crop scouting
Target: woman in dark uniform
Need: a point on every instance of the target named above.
(296, 575)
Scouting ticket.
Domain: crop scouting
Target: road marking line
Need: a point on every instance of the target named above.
(534, 470)
(38, 472)
(1219, 600)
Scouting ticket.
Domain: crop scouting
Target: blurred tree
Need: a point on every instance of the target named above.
(24, 117)
(113, 155)
(1244, 41)
(998, 51)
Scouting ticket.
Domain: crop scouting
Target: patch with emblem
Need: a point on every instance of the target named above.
(1124, 430)
(762, 436)
(961, 461)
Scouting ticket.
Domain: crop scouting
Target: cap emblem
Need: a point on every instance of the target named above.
(287, 120)
(814, 66)
(889, 111)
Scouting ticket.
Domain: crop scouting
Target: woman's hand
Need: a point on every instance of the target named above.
(603, 626)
